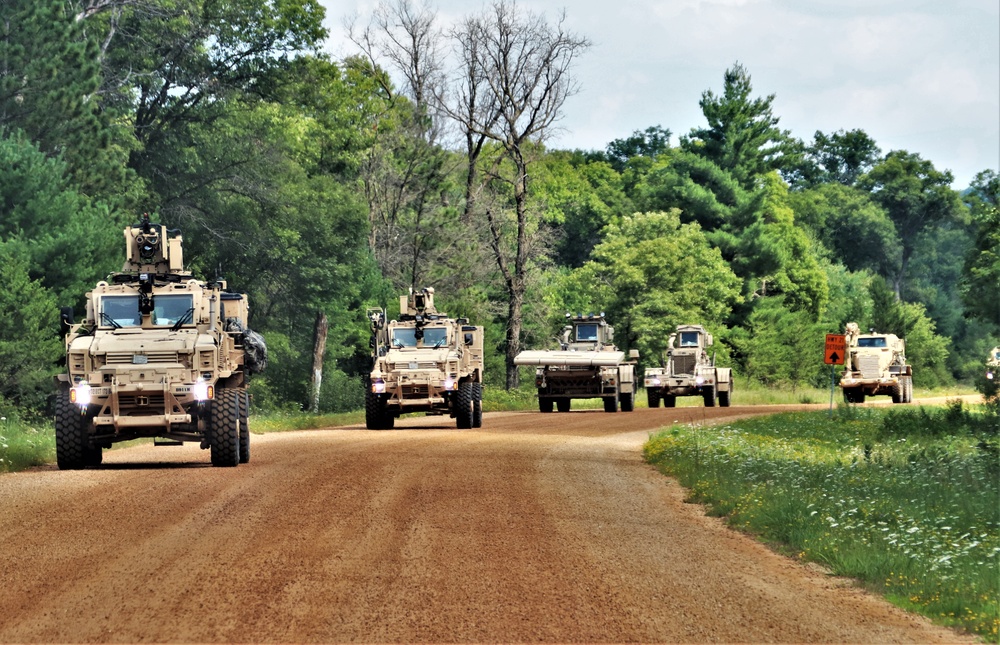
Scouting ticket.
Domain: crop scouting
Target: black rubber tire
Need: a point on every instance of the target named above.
(670, 401)
(708, 395)
(224, 428)
(628, 401)
(544, 404)
(652, 399)
(724, 397)
(563, 404)
(477, 405)
(909, 389)
(377, 417)
(244, 427)
(463, 406)
(611, 403)
(897, 393)
(72, 446)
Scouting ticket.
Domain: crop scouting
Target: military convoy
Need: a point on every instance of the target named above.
(159, 354)
(587, 365)
(688, 370)
(425, 361)
(875, 364)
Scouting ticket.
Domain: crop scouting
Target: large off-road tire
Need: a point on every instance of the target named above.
(477, 405)
(463, 406)
(725, 397)
(224, 428)
(653, 398)
(244, 427)
(544, 404)
(898, 391)
(377, 417)
(909, 389)
(708, 394)
(73, 451)
(670, 401)
(854, 395)
(611, 403)
(563, 404)
(628, 401)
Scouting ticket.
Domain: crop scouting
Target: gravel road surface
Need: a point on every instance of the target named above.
(536, 528)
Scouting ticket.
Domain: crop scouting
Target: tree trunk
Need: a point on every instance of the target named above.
(319, 348)
(514, 307)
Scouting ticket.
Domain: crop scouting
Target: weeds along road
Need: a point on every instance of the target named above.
(540, 528)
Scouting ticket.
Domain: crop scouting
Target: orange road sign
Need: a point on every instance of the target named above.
(836, 348)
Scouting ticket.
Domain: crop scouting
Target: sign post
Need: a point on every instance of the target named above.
(836, 349)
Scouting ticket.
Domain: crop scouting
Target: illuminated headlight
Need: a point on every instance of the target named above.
(989, 375)
(80, 394)
(449, 384)
(201, 390)
(699, 380)
(378, 387)
(656, 381)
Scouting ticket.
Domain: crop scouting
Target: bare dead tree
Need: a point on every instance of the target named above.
(517, 81)
(405, 170)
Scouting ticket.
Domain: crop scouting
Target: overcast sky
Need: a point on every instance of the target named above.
(918, 75)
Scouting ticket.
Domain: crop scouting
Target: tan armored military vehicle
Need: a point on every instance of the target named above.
(587, 365)
(160, 354)
(875, 364)
(424, 362)
(688, 370)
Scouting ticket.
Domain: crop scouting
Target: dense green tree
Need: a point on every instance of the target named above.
(742, 136)
(981, 277)
(925, 349)
(917, 197)
(29, 344)
(49, 82)
(782, 346)
(68, 240)
(650, 274)
(841, 158)
(846, 221)
(643, 146)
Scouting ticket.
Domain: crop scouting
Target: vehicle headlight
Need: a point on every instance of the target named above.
(656, 381)
(378, 387)
(202, 391)
(989, 375)
(699, 380)
(449, 384)
(80, 394)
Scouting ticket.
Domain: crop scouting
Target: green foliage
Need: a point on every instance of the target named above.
(742, 136)
(650, 274)
(838, 158)
(29, 343)
(784, 347)
(897, 499)
(926, 351)
(981, 277)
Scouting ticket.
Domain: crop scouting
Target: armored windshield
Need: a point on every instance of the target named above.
(407, 336)
(586, 332)
(120, 311)
(168, 309)
(689, 339)
(872, 342)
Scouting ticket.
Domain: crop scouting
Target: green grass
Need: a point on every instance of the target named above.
(906, 501)
(24, 444)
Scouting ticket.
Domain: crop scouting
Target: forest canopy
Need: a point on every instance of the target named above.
(318, 185)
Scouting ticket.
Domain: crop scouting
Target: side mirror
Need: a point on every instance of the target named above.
(468, 338)
(65, 319)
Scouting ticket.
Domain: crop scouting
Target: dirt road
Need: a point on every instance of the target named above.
(539, 528)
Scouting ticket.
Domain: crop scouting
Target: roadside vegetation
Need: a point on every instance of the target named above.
(905, 500)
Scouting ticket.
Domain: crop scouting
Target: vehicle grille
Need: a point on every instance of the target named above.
(684, 364)
(416, 365)
(141, 403)
(126, 358)
(869, 366)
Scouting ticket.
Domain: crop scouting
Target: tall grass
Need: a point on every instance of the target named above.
(905, 500)
(25, 443)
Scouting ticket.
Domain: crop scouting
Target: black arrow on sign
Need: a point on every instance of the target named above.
(834, 357)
